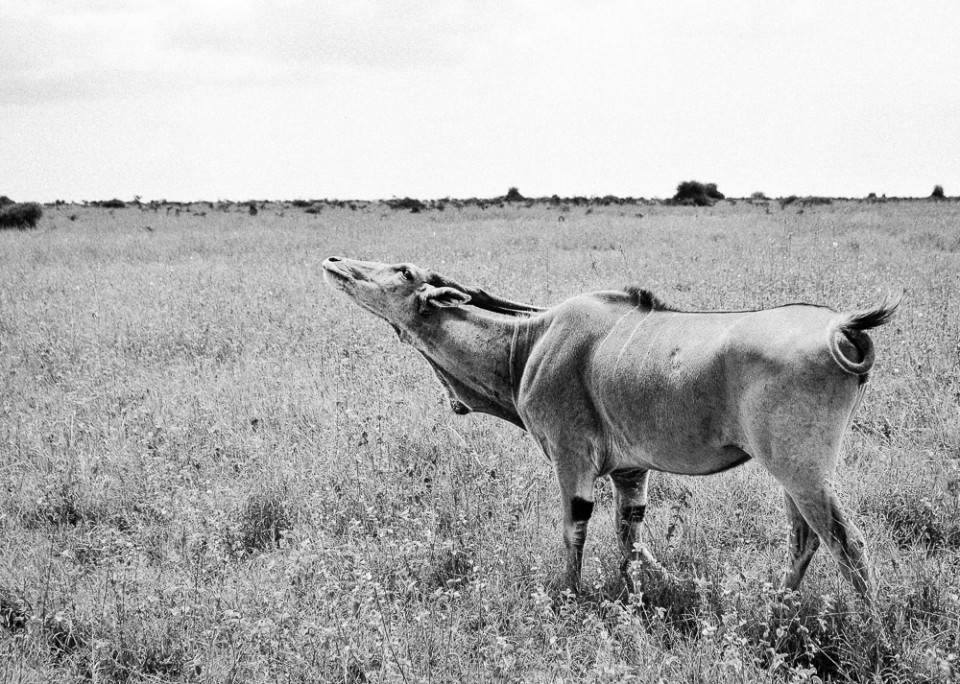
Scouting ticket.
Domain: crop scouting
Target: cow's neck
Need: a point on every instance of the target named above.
(479, 357)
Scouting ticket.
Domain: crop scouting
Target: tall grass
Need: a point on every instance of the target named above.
(216, 469)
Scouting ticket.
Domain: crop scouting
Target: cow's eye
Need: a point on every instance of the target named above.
(406, 274)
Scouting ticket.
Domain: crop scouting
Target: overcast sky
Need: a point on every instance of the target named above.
(210, 99)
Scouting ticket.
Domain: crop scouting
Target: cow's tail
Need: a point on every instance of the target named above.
(851, 347)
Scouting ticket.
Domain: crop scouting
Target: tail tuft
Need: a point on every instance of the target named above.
(850, 346)
(873, 318)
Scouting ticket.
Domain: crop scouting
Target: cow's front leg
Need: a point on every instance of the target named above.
(576, 490)
(630, 487)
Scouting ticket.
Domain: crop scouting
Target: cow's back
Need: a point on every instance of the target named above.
(664, 389)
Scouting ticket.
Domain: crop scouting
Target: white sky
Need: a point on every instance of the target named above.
(191, 99)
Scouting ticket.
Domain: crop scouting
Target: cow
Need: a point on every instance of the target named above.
(618, 384)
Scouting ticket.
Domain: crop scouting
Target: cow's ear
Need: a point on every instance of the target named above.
(430, 298)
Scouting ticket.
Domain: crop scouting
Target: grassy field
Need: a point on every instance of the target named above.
(214, 468)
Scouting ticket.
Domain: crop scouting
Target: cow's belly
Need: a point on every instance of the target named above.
(679, 459)
(674, 417)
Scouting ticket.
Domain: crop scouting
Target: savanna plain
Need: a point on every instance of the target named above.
(215, 468)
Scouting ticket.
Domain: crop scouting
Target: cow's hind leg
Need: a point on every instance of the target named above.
(803, 542)
(817, 502)
(630, 487)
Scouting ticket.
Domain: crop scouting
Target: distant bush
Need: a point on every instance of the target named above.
(513, 195)
(414, 205)
(4, 201)
(113, 204)
(937, 193)
(811, 201)
(759, 196)
(697, 193)
(21, 216)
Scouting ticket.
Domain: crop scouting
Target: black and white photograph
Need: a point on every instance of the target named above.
(499, 342)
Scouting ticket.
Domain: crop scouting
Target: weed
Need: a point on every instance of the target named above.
(14, 611)
(264, 520)
(917, 518)
(65, 634)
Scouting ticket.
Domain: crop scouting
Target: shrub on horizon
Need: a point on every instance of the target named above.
(697, 193)
(414, 205)
(937, 193)
(513, 195)
(20, 216)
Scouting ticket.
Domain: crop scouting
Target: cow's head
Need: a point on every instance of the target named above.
(413, 300)
(401, 294)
